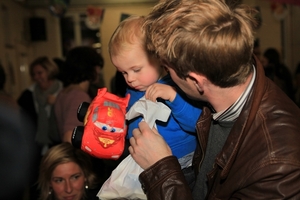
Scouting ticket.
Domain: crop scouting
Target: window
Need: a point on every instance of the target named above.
(75, 31)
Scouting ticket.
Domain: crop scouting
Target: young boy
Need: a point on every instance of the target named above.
(146, 77)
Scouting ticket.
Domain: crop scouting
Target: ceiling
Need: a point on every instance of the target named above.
(39, 3)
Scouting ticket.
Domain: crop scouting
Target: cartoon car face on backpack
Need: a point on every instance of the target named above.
(104, 130)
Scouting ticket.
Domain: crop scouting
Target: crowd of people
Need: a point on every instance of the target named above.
(277, 71)
(232, 133)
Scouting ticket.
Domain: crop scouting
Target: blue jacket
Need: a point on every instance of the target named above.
(179, 131)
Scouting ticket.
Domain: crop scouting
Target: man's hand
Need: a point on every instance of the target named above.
(147, 146)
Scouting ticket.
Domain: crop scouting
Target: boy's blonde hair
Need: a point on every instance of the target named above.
(127, 35)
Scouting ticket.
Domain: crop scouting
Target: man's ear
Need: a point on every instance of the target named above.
(197, 78)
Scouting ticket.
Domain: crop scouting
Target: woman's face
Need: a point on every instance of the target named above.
(68, 182)
(40, 76)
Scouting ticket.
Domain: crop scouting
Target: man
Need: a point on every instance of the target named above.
(249, 131)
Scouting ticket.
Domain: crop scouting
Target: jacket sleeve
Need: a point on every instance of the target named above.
(165, 181)
(272, 181)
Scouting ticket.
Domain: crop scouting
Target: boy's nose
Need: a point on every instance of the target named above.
(130, 78)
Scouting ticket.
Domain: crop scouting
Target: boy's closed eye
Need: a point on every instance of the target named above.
(137, 70)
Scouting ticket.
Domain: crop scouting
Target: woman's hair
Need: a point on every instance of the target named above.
(2, 77)
(47, 64)
(60, 154)
(80, 65)
(208, 37)
(273, 56)
(298, 69)
(128, 34)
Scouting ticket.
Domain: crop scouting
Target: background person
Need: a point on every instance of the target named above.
(297, 85)
(66, 173)
(37, 103)
(248, 131)
(118, 84)
(17, 147)
(99, 80)
(5, 97)
(278, 72)
(60, 64)
(79, 72)
(38, 99)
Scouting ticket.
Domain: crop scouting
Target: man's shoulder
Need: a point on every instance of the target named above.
(276, 123)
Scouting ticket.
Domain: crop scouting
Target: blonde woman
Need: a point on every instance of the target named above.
(66, 173)
(37, 103)
(38, 99)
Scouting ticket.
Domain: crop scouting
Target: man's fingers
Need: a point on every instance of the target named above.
(136, 133)
(144, 128)
(131, 150)
(132, 142)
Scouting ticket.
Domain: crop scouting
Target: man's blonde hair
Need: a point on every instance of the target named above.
(208, 37)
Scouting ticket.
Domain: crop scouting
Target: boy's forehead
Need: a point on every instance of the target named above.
(124, 48)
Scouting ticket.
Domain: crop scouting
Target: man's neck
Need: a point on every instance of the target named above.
(222, 98)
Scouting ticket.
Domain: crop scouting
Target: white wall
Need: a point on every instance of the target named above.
(14, 30)
(111, 19)
(293, 46)
(269, 32)
(51, 47)
(285, 39)
(22, 51)
(15, 49)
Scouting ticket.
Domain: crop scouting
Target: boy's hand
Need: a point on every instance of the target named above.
(163, 91)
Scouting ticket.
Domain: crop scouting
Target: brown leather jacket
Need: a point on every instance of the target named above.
(260, 159)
